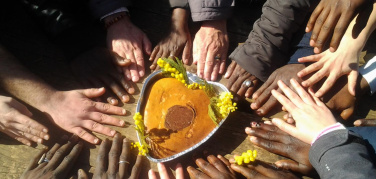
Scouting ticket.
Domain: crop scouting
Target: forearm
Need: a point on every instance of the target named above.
(179, 18)
(22, 84)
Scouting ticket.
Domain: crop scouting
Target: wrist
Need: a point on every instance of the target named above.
(179, 18)
(216, 24)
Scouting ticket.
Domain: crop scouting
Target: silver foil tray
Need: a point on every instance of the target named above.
(141, 104)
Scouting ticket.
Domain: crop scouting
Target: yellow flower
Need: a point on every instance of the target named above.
(246, 157)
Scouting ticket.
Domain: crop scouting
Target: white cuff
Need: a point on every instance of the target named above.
(122, 9)
(368, 71)
(331, 128)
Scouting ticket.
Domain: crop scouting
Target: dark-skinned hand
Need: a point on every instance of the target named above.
(217, 167)
(274, 140)
(237, 75)
(177, 42)
(261, 171)
(365, 122)
(264, 101)
(331, 18)
(61, 159)
(107, 164)
(96, 68)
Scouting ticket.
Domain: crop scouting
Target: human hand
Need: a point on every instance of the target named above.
(128, 41)
(274, 140)
(15, 122)
(332, 17)
(94, 68)
(237, 78)
(332, 65)
(164, 174)
(310, 114)
(365, 122)
(261, 171)
(118, 158)
(56, 163)
(217, 167)
(210, 47)
(263, 99)
(75, 112)
(177, 42)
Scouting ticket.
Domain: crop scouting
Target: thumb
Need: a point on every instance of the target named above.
(120, 61)
(345, 114)
(93, 92)
(82, 174)
(353, 76)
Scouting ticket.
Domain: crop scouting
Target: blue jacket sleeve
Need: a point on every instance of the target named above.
(100, 8)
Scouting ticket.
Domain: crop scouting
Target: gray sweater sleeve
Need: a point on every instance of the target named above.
(269, 43)
(100, 8)
(341, 154)
(203, 10)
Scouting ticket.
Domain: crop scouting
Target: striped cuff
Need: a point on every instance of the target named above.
(368, 71)
(331, 128)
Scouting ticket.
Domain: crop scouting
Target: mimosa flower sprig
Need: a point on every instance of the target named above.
(174, 68)
(221, 106)
(246, 157)
(140, 127)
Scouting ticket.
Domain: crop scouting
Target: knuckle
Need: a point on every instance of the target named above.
(113, 154)
(325, 27)
(105, 107)
(95, 125)
(68, 159)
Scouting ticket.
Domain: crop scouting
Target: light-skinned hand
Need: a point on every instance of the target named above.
(16, 122)
(310, 114)
(211, 41)
(164, 174)
(76, 113)
(128, 41)
(331, 18)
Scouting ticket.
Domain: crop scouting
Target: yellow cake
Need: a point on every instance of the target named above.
(176, 118)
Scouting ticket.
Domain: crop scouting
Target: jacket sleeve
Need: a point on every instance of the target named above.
(179, 3)
(100, 8)
(341, 154)
(203, 10)
(268, 45)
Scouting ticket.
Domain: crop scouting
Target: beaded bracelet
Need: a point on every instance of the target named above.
(114, 20)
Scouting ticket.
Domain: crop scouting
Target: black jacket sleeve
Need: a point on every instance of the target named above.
(341, 154)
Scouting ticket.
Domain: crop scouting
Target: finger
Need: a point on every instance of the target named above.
(209, 65)
(34, 162)
(106, 119)
(245, 171)
(60, 154)
(137, 167)
(113, 155)
(101, 163)
(152, 175)
(327, 85)
(310, 69)
(302, 92)
(112, 101)
(22, 131)
(22, 108)
(115, 87)
(133, 68)
(63, 169)
(97, 127)
(289, 165)
(207, 168)
(365, 122)
(93, 92)
(288, 128)
(218, 164)
(230, 69)
(339, 31)
(289, 105)
(146, 44)
(261, 90)
(315, 78)
(127, 73)
(326, 29)
(179, 171)
(353, 76)
(140, 62)
(193, 173)
(163, 173)
(315, 14)
(187, 52)
(127, 84)
(263, 94)
(201, 62)
(318, 24)
(83, 134)
(347, 113)
(82, 174)
(125, 156)
(120, 61)
(311, 58)
(154, 53)
(215, 72)
(107, 109)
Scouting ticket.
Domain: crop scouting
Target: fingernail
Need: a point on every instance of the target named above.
(253, 139)
(80, 172)
(135, 78)
(46, 137)
(306, 29)
(121, 123)
(39, 141)
(124, 111)
(152, 66)
(112, 133)
(142, 73)
(226, 75)
(45, 130)
(100, 89)
(357, 123)
(113, 101)
(96, 140)
(248, 130)
(125, 98)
